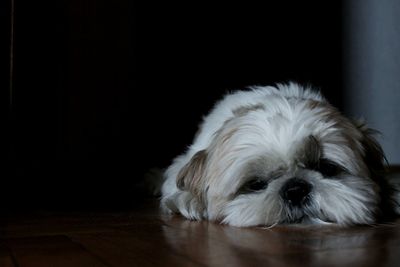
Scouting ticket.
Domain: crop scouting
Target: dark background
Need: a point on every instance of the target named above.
(104, 90)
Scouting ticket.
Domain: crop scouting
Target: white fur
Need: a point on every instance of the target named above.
(263, 130)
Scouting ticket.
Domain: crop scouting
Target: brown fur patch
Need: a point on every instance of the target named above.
(243, 110)
(191, 175)
(312, 150)
(313, 104)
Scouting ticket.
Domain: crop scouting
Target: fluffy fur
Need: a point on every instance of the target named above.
(278, 155)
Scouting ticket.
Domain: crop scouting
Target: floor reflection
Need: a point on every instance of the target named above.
(213, 244)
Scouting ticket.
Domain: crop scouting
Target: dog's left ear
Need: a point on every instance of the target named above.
(191, 176)
(375, 160)
(374, 156)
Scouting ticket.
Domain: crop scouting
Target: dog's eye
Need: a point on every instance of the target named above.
(328, 168)
(254, 185)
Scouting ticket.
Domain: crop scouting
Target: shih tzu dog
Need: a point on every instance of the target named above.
(279, 155)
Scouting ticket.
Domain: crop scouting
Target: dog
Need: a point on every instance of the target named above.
(279, 154)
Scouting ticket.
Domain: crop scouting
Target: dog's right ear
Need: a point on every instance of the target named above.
(191, 176)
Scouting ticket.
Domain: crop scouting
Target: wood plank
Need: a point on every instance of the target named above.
(6, 259)
(147, 239)
(57, 251)
(59, 224)
(215, 245)
(125, 250)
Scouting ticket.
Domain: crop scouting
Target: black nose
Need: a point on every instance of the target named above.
(295, 191)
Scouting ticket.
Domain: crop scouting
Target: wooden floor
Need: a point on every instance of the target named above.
(142, 237)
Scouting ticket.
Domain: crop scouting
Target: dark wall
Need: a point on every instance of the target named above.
(103, 90)
(5, 19)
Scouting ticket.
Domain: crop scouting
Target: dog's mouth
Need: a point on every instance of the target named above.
(294, 220)
(305, 214)
(305, 217)
(295, 214)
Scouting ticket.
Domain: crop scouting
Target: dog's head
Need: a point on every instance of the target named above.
(287, 160)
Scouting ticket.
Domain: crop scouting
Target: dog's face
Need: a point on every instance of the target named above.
(293, 161)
